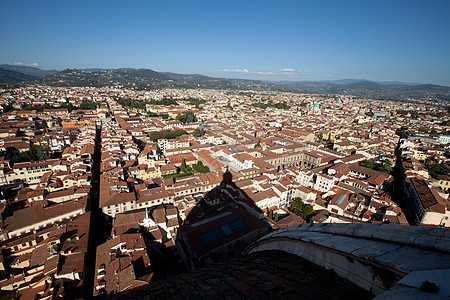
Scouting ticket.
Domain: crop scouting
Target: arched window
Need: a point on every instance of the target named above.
(102, 283)
(101, 267)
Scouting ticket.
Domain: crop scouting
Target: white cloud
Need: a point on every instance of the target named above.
(288, 72)
(247, 71)
(236, 70)
(19, 63)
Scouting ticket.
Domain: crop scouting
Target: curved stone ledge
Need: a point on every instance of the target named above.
(374, 256)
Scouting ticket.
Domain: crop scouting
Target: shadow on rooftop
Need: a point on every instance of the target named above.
(219, 226)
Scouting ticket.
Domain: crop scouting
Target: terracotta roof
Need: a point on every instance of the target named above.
(35, 214)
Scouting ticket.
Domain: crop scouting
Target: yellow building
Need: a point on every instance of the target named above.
(419, 155)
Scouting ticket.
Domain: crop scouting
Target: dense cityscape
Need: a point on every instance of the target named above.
(121, 187)
(224, 150)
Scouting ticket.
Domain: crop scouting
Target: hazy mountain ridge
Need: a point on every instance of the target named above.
(146, 78)
(149, 79)
(32, 71)
(344, 81)
(9, 77)
(370, 89)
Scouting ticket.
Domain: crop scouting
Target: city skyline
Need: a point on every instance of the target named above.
(289, 41)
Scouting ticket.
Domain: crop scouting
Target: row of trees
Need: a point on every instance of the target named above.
(166, 134)
(164, 101)
(87, 105)
(131, 103)
(198, 132)
(435, 168)
(432, 131)
(36, 153)
(274, 216)
(279, 105)
(415, 114)
(141, 104)
(84, 105)
(196, 102)
(187, 117)
(200, 167)
(385, 166)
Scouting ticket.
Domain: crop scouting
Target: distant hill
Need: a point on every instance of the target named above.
(150, 79)
(370, 89)
(146, 78)
(93, 69)
(11, 78)
(32, 71)
(74, 77)
(340, 81)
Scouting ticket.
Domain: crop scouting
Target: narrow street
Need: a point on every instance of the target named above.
(97, 227)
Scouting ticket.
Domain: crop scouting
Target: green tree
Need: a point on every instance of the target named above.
(386, 167)
(276, 217)
(297, 204)
(198, 132)
(29, 155)
(59, 121)
(59, 183)
(183, 164)
(164, 101)
(44, 126)
(87, 105)
(200, 168)
(166, 134)
(187, 117)
(307, 211)
(196, 102)
(42, 153)
(434, 169)
(423, 129)
(368, 163)
(301, 209)
(24, 191)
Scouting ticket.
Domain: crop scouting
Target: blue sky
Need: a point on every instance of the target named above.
(270, 40)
